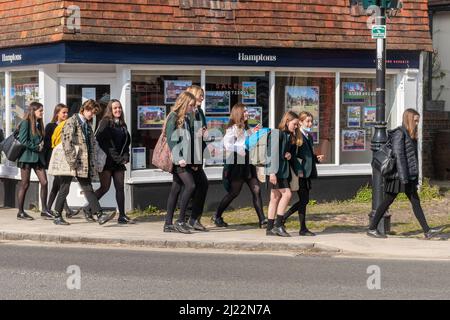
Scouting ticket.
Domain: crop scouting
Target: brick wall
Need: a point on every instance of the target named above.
(432, 123)
(246, 23)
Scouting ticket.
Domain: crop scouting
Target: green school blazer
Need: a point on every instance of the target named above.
(309, 159)
(31, 143)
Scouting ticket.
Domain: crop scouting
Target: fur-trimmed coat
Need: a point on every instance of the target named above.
(72, 135)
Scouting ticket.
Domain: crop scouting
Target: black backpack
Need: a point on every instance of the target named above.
(384, 159)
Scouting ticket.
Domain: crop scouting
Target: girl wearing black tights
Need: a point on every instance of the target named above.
(237, 169)
(60, 114)
(113, 137)
(31, 135)
(305, 163)
(406, 176)
(178, 134)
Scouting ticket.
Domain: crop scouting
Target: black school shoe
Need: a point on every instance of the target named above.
(22, 215)
(306, 233)
(196, 225)
(219, 222)
(125, 220)
(433, 232)
(47, 214)
(376, 234)
(281, 232)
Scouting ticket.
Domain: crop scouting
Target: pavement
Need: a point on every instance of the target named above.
(234, 238)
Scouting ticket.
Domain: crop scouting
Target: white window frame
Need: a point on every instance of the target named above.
(7, 171)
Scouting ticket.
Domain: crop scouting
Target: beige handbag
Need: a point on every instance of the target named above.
(58, 165)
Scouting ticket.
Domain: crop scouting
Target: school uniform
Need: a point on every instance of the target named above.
(303, 162)
(283, 173)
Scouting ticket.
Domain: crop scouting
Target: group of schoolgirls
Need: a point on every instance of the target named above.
(296, 167)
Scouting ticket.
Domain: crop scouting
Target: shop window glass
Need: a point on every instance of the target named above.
(315, 93)
(2, 101)
(153, 93)
(224, 89)
(357, 116)
(2, 106)
(24, 90)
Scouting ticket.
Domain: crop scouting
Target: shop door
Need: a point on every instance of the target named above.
(73, 93)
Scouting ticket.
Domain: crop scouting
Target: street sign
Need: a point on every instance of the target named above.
(378, 32)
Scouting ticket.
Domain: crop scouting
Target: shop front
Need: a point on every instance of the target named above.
(336, 86)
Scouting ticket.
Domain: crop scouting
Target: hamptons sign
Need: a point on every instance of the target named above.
(256, 58)
(11, 57)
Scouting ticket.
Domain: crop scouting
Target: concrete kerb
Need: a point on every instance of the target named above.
(174, 244)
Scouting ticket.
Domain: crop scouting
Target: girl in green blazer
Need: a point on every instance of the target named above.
(31, 135)
(178, 135)
(280, 193)
(305, 163)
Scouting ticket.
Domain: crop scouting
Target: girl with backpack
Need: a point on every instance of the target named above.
(406, 175)
(280, 194)
(60, 114)
(235, 172)
(304, 163)
(31, 135)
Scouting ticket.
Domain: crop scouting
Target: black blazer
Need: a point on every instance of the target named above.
(115, 142)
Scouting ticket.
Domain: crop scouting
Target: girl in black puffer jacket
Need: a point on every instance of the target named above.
(406, 177)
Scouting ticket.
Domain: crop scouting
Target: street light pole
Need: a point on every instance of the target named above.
(380, 134)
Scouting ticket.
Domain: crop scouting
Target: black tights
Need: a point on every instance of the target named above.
(303, 195)
(56, 186)
(235, 190)
(25, 184)
(118, 176)
(184, 180)
(389, 199)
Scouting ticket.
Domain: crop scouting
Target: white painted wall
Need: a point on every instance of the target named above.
(441, 43)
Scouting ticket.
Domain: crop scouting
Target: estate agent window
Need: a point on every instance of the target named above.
(153, 93)
(315, 93)
(358, 115)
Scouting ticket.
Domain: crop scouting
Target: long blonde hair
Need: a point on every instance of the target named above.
(196, 91)
(409, 123)
(181, 106)
(296, 138)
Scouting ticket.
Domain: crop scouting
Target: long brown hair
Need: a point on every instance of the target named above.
(181, 106)
(31, 118)
(58, 108)
(409, 123)
(109, 112)
(296, 138)
(237, 117)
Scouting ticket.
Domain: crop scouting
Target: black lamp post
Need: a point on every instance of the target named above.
(380, 134)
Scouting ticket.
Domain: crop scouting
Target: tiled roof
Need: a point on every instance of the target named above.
(260, 23)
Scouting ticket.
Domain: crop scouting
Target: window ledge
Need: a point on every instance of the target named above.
(215, 174)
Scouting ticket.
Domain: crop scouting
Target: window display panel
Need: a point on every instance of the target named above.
(315, 93)
(224, 89)
(358, 116)
(24, 90)
(153, 93)
(2, 107)
(2, 100)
